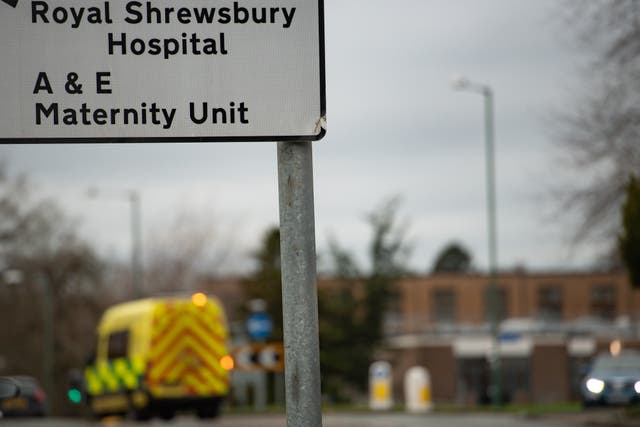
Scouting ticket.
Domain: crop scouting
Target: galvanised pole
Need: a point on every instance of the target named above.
(299, 287)
(136, 245)
(496, 373)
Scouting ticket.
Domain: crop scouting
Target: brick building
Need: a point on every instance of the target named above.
(551, 326)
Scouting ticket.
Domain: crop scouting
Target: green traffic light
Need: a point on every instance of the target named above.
(74, 395)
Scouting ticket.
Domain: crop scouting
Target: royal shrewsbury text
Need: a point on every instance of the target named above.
(136, 12)
(208, 38)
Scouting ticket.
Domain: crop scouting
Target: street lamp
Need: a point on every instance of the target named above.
(133, 197)
(464, 84)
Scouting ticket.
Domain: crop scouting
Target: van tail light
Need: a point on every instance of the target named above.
(39, 395)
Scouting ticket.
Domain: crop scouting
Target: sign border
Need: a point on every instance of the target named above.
(194, 139)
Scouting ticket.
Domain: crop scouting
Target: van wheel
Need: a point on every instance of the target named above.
(142, 414)
(167, 414)
(209, 411)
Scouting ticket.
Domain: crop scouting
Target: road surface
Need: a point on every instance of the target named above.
(329, 420)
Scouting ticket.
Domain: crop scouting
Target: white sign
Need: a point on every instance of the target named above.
(160, 70)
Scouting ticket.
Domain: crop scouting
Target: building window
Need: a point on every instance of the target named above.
(603, 302)
(515, 373)
(444, 306)
(502, 309)
(392, 319)
(474, 379)
(550, 302)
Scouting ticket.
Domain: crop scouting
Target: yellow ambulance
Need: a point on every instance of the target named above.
(157, 356)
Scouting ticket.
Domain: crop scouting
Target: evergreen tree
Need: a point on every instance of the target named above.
(352, 313)
(266, 282)
(453, 258)
(629, 238)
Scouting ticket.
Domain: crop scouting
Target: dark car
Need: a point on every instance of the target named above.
(613, 380)
(30, 400)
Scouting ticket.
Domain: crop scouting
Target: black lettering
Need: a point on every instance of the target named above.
(39, 8)
(219, 111)
(242, 109)
(184, 15)
(42, 83)
(93, 14)
(154, 110)
(232, 112)
(107, 13)
(192, 113)
(52, 110)
(209, 47)
(288, 18)
(153, 11)
(154, 47)
(100, 116)
(103, 82)
(77, 16)
(113, 43)
(263, 17)
(70, 117)
(168, 116)
(206, 15)
(60, 15)
(171, 47)
(167, 14)
(131, 10)
(138, 47)
(237, 10)
(114, 114)
(195, 43)
(224, 14)
(223, 47)
(130, 112)
(85, 111)
(143, 113)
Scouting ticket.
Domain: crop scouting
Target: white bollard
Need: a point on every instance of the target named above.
(380, 397)
(417, 390)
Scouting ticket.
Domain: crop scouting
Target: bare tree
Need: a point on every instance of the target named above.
(191, 248)
(49, 311)
(600, 134)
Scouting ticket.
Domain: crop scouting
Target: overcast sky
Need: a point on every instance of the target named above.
(395, 127)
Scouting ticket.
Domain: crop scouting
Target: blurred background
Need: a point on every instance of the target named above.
(427, 254)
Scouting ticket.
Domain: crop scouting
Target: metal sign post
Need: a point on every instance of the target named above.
(299, 293)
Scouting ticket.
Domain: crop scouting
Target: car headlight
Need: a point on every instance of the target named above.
(636, 386)
(596, 386)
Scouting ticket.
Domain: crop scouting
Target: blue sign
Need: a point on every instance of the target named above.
(509, 337)
(259, 326)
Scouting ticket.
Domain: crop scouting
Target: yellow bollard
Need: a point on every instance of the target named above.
(380, 395)
(417, 390)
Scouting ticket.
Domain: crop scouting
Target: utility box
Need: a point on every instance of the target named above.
(417, 390)
(380, 398)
